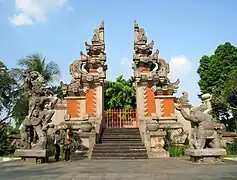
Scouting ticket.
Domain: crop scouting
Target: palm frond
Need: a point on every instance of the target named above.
(51, 71)
(37, 62)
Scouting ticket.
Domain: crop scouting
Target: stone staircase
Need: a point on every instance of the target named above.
(120, 143)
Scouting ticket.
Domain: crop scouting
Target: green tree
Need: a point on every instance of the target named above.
(216, 77)
(36, 62)
(9, 92)
(5, 143)
(230, 97)
(120, 94)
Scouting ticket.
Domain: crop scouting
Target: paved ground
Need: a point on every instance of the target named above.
(177, 169)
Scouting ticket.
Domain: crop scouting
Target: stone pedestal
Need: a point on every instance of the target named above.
(210, 155)
(155, 143)
(36, 156)
(88, 140)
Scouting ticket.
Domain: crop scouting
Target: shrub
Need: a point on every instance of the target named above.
(232, 148)
(173, 149)
(176, 150)
(5, 145)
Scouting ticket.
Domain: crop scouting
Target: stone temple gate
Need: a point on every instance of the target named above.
(85, 93)
(84, 101)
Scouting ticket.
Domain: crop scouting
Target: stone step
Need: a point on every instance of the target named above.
(120, 145)
(119, 150)
(117, 158)
(118, 154)
(122, 136)
(121, 130)
(121, 133)
(121, 139)
(118, 141)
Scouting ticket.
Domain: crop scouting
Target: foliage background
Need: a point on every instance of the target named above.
(218, 76)
(120, 94)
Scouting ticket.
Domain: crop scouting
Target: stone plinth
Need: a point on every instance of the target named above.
(34, 155)
(155, 143)
(209, 155)
(88, 141)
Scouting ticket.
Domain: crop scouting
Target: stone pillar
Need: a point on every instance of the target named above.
(85, 93)
(82, 105)
(155, 93)
(100, 104)
(140, 101)
(95, 105)
(99, 100)
(60, 112)
(145, 106)
(145, 64)
(155, 144)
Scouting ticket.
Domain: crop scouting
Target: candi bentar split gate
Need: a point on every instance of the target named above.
(140, 134)
(85, 93)
(84, 101)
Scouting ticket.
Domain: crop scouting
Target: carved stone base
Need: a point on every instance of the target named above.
(88, 140)
(155, 143)
(206, 155)
(34, 155)
(161, 153)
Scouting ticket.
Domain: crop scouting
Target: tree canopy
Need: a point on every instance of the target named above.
(8, 93)
(218, 77)
(120, 94)
(36, 62)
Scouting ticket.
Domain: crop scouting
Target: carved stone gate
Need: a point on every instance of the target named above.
(154, 92)
(85, 93)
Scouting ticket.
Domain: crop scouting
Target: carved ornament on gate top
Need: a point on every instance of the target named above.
(149, 69)
(90, 69)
